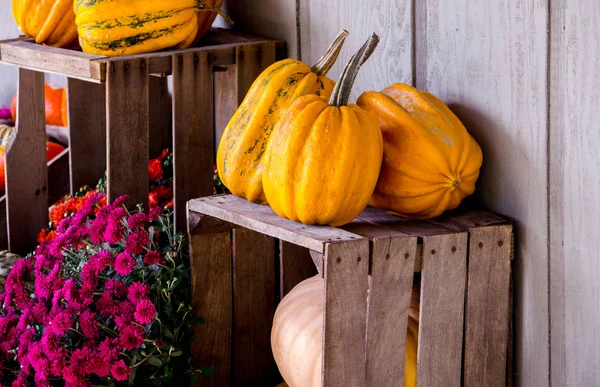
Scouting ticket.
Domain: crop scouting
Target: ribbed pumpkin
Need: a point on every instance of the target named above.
(297, 335)
(323, 159)
(431, 162)
(55, 99)
(50, 22)
(245, 138)
(127, 27)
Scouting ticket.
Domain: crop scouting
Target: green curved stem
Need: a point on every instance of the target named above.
(343, 89)
(202, 7)
(326, 62)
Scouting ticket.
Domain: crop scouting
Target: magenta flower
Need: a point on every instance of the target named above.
(87, 322)
(137, 220)
(136, 242)
(132, 337)
(115, 288)
(114, 231)
(124, 264)
(120, 371)
(61, 323)
(145, 312)
(81, 360)
(153, 258)
(137, 291)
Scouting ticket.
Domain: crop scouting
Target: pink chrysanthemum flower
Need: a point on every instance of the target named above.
(137, 291)
(124, 264)
(62, 322)
(132, 337)
(145, 312)
(136, 242)
(115, 288)
(120, 371)
(137, 220)
(87, 322)
(153, 258)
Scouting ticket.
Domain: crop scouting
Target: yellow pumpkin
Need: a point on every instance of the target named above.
(128, 27)
(245, 138)
(50, 22)
(297, 336)
(431, 162)
(323, 159)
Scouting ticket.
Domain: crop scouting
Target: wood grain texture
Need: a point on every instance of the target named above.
(26, 168)
(212, 292)
(488, 61)
(193, 130)
(30, 55)
(321, 20)
(58, 177)
(127, 101)
(575, 193)
(295, 265)
(161, 113)
(439, 359)
(272, 18)
(487, 309)
(344, 345)
(392, 269)
(226, 98)
(87, 134)
(254, 308)
(251, 60)
(262, 219)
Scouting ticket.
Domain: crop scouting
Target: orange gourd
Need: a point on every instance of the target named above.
(430, 161)
(50, 22)
(56, 106)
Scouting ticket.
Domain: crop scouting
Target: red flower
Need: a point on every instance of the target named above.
(145, 312)
(132, 337)
(155, 170)
(137, 220)
(124, 264)
(120, 371)
(136, 242)
(153, 258)
(137, 291)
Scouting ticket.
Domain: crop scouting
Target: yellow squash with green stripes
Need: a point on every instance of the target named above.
(128, 27)
(242, 147)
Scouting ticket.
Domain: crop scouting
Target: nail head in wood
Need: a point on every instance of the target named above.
(387, 256)
(339, 260)
(358, 259)
(481, 245)
(500, 243)
(432, 252)
(454, 249)
(406, 256)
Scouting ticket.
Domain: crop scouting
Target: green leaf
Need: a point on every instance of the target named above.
(167, 332)
(208, 371)
(153, 360)
(169, 308)
(132, 376)
(176, 353)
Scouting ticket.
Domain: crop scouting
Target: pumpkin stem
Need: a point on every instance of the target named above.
(326, 62)
(343, 89)
(202, 7)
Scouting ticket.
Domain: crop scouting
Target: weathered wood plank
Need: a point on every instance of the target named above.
(262, 219)
(193, 130)
(392, 268)
(254, 308)
(58, 177)
(212, 292)
(251, 60)
(87, 132)
(439, 359)
(574, 193)
(226, 98)
(487, 309)
(468, 50)
(70, 63)
(27, 193)
(295, 265)
(127, 95)
(161, 112)
(320, 21)
(344, 345)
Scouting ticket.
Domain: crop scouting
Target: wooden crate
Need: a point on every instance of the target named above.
(245, 258)
(121, 114)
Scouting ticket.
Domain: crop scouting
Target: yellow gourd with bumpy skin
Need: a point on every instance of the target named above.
(323, 158)
(297, 335)
(431, 162)
(51, 22)
(127, 27)
(242, 147)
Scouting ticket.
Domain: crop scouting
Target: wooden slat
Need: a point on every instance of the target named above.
(467, 219)
(408, 227)
(193, 130)
(212, 292)
(468, 49)
(87, 134)
(392, 268)
(26, 168)
(487, 313)
(58, 177)
(128, 130)
(262, 219)
(442, 310)
(161, 112)
(3, 224)
(48, 59)
(295, 265)
(320, 21)
(254, 308)
(345, 310)
(226, 98)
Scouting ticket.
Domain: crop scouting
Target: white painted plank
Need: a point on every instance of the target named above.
(488, 61)
(575, 193)
(320, 21)
(270, 18)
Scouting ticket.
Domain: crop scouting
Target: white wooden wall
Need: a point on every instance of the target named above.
(524, 76)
